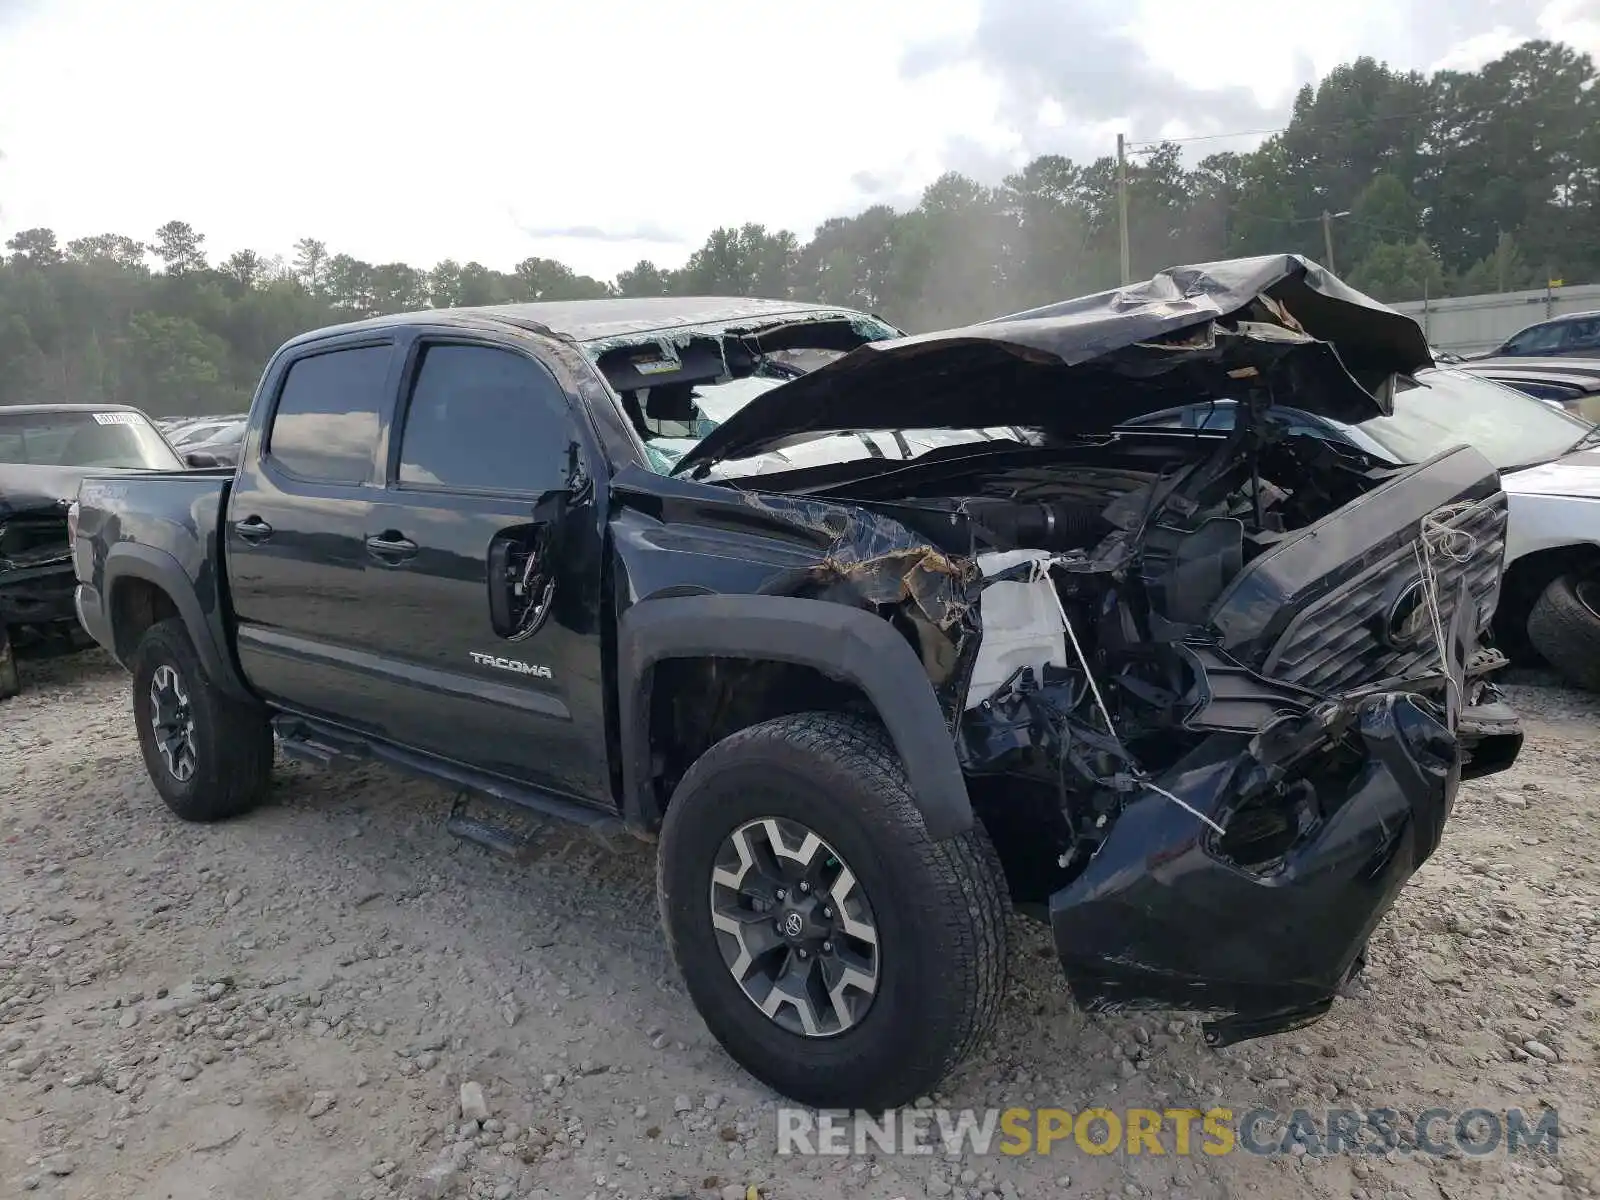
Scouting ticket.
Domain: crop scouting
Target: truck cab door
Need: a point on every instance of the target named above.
(297, 517)
(485, 557)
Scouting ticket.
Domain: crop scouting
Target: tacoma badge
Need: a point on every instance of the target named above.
(514, 665)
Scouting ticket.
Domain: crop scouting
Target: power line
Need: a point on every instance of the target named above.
(1142, 144)
(1365, 224)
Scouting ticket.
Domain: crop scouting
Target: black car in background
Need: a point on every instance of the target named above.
(1569, 334)
(211, 441)
(218, 447)
(46, 450)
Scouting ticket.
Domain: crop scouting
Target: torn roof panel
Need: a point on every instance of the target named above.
(616, 320)
(677, 337)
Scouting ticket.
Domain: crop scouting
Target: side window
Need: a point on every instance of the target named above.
(325, 427)
(1538, 339)
(484, 419)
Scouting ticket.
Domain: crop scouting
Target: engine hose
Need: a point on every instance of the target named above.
(1057, 525)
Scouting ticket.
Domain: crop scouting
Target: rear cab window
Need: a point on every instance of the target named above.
(325, 425)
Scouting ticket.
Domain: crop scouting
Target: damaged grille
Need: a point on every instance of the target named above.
(1345, 640)
(33, 541)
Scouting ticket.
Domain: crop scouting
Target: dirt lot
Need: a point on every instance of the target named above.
(288, 1005)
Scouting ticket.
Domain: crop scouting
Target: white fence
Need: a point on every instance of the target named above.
(1468, 324)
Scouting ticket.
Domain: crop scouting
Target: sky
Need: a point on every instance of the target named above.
(609, 131)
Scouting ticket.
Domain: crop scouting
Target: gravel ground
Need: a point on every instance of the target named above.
(289, 1005)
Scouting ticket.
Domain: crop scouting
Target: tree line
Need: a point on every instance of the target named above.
(1451, 184)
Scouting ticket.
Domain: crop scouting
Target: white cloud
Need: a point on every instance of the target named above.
(1472, 53)
(597, 133)
(1576, 22)
(405, 129)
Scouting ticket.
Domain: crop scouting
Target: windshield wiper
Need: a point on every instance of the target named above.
(1588, 441)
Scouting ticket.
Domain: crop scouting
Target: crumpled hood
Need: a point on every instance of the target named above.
(1575, 475)
(1086, 365)
(28, 488)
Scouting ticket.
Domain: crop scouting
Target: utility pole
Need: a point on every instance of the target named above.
(1500, 260)
(1327, 239)
(1122, 206)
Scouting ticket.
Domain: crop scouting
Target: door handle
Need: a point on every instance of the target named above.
(253, 529)
(391, 546)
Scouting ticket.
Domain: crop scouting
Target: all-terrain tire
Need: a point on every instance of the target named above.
(231, 741)
(940, 909)
(1565, 629)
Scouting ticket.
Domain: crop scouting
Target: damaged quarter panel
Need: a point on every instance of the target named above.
(730, 583)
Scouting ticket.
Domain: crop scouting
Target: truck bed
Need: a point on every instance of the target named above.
(159, 528)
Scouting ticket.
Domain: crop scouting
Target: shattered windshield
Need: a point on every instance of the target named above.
(715, 403)
(1437, 410)
(1451, 407)
(671, 416)
(667, 439)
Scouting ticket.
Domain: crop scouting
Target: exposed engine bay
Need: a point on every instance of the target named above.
(1112, 631)
(1096, 569)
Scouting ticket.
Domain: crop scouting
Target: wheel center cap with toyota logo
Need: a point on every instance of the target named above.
(793, 925)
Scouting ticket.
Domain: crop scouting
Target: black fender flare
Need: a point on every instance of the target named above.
(130, 560)
(845, 643)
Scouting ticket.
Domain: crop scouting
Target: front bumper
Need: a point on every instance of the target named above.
(37, 595)
(1164, 917)
(1180, 909)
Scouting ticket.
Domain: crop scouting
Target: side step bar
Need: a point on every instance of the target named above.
(310, 741)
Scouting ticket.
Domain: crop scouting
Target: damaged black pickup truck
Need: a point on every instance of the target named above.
(874, 635)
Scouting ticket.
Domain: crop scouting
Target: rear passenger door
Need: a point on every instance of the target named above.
(485, 558)
(296, 532)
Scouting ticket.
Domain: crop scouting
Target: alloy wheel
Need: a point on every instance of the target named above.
(172, 723)
(795, 927)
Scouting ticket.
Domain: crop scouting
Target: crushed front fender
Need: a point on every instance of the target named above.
(1190, 903)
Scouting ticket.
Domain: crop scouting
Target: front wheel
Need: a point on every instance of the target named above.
(1564, 627)
(210, 756)
(836, 951)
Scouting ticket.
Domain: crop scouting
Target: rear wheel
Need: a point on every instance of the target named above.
(835, 950)
(1564, 627)
(210, 756)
